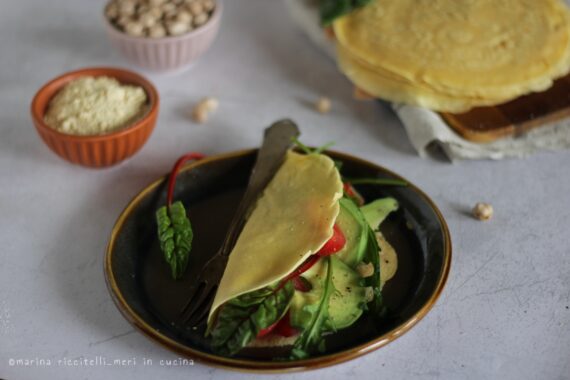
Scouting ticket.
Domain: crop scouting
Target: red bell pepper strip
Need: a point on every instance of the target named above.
(284, 328)
(334, 244)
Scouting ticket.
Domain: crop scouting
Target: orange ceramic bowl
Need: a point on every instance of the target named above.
(96, 150)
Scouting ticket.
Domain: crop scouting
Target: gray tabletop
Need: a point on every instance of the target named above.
(503, 314)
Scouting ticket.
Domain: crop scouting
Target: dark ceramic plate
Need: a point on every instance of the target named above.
(140, 282)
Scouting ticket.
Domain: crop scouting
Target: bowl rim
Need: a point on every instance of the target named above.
(63, 79)
(246, 365)
(212, 22)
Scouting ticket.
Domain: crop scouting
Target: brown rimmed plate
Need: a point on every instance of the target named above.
(140, 284)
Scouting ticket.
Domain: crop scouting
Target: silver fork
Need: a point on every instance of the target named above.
(277, 140)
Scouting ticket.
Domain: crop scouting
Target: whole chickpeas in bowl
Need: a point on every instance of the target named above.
(162, 35)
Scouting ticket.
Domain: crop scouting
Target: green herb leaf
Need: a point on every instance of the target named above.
(308, 150)
(240, 319)
(322, 148)
(175, 236)
(312, 336)
(372, 256)
(330, 10)
(302, 146)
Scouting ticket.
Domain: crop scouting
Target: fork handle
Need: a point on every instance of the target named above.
(277, 139)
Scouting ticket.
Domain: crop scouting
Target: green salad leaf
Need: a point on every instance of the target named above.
(242, 318)
(372, 256)
(312, 336)
(333, 9)
(175, 236)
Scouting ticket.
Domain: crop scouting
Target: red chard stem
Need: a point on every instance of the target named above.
(177, 166)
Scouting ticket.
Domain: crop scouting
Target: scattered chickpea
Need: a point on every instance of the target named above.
(199, 115)
(211, 104)
(204, 107)
(323, 105)
(483, 211)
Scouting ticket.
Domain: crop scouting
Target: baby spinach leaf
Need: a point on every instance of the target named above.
(175, 236)
(242, 318)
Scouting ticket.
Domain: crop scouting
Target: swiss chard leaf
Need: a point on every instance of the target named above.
(332, 9)
(175, 236)
(312, 336)
(240, 319)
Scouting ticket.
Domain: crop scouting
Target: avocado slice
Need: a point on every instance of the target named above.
(351, 222)
(346, 303)
(375, 212)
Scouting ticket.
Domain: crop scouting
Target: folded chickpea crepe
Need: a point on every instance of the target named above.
(306, 264)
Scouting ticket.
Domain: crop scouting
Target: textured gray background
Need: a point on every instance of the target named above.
(504, 313)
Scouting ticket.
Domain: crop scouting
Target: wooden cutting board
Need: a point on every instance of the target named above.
(487, 124)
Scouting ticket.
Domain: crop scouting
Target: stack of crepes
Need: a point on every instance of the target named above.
(452, 55)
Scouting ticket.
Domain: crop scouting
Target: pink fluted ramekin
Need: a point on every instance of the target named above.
(167, 53)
